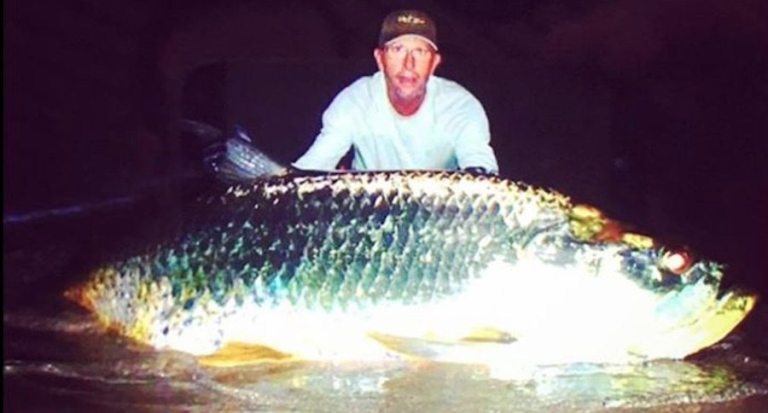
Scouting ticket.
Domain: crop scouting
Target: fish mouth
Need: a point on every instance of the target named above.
(714, 323)
(728, 312)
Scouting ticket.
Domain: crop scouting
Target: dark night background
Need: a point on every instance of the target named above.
(655, 111)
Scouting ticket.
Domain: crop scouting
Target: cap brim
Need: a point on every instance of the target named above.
(431, 43)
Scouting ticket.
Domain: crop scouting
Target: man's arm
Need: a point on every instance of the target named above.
(473, 145)
(334, 139)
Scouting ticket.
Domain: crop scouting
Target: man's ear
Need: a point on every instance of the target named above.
(436, 60)
(378, 54)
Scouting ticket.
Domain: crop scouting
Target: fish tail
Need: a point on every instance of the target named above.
(243, 162)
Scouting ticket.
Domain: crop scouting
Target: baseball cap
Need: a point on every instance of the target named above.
(412, 22)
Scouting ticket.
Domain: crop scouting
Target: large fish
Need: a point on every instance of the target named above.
(447, 266)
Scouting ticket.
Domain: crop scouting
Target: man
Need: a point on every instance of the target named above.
(403, 117)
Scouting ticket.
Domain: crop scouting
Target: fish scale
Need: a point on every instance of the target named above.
(363, 244)
(416, 213)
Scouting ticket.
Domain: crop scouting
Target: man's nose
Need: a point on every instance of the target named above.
(410, 61)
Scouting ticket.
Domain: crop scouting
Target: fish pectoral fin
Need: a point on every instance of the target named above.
(239, 354)
(409, 346)
(433, 346)
(489, 335)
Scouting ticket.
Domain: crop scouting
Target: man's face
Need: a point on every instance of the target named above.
(407, 63)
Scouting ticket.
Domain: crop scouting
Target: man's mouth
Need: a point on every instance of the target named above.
(407, 80)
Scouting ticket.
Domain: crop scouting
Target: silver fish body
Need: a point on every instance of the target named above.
(442, 265)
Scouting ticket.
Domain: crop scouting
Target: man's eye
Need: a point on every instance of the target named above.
(419, 52)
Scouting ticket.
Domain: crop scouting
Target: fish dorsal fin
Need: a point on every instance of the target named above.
(241, 161)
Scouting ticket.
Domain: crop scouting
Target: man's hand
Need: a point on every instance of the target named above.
(476, 170)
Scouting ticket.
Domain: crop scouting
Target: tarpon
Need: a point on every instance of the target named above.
(439, 265)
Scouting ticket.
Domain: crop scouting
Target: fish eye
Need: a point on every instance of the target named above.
(676, 262)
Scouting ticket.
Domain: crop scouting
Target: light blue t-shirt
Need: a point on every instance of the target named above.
(449, 131)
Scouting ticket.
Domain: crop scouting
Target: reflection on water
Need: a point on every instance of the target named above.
(55, 355)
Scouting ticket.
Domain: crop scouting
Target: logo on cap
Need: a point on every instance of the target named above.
(410, 19)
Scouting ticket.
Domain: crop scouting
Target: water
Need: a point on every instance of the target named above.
(56, 358)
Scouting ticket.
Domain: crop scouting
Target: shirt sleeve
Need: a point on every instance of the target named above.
(473, 141)
(334, 139)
